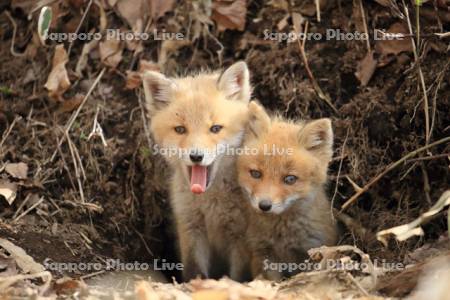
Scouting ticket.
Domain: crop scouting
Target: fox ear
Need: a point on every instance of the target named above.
(317, 137)
(259, 120)
(158, 90)
(235, 82)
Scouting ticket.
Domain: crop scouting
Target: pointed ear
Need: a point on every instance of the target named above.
(259, 120)
(158, 90)
(235, 82)
(317, 137)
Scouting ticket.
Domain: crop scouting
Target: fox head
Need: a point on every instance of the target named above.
(284, 162)
(195, 118)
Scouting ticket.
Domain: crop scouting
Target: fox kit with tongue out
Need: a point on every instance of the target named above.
(196, 122)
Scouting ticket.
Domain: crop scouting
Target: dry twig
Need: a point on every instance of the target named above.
(390, 168)
(320, 93)
(77, 112)
(13, 51)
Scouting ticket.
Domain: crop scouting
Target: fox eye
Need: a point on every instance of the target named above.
(180, 129)
(215, 128)
(290, 179)
(255, 174)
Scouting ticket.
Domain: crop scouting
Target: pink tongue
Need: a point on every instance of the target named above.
(198, 179)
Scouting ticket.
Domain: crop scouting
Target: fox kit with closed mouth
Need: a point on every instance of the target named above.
(195, 121)
(285, 187)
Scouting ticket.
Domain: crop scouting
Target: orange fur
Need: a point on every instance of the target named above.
(203, 220)
(300, 215)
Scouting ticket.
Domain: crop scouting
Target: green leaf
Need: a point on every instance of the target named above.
(145, 152)
(419, 2)
(6, 90)
(83, 136)
(45, 18)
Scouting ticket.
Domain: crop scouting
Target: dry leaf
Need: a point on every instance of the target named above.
(433, 283)
(229, 15)
(168, 47)
(404, 232)
(365, 69)
(23, 260)
(83, 60)
(396, 45)
(7, 266)
(137, 12)
(112, 3)
(310, 8)
(134, 79)
(144, 291)
(357, 17)
(58, 80)
(210, 294)
(71, 104)
(111, 52)
(8, 190)
(283, 23)
(19, 170)
(160, 7)
(297, 21)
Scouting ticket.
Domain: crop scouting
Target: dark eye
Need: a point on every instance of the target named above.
(216, 128)
(290, 179)
(255, 174)
(180, 129)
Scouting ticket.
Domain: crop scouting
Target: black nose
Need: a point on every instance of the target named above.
(265, 205)
(196, 157)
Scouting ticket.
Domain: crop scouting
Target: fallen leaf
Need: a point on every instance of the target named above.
(111, 51)
(83, 60)
(160, 7)
(404, 232)
(229, 15)
(168, 47)
(30, 76)
(7, 266)
(297, 21)
(310, 8)
(8, 190)
(66, 286)
(71, 104)
(18, 170)
(134, 79)
(144, 291)
(283, 23)
(58, 80)
(112, 3)
(210, 294)
(365, 69)
(396, 45)
(135, 13)
(23, 260)
(280, 4)
(357, 17)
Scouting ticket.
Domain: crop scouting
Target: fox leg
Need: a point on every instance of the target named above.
(195, 254)
(260, 266)
(239, 264)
